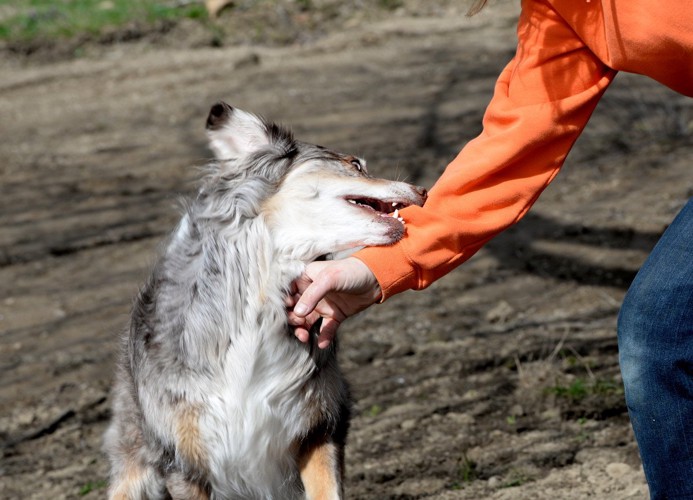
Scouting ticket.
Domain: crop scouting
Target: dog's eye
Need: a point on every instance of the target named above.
(357, 165)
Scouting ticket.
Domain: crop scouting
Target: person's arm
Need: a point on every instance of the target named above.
(542, 101)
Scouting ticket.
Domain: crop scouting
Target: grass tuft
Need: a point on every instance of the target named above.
(580, 388)
(375, 410)
(27, 20)
(92, 486)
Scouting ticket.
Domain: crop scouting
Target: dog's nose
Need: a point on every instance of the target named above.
(421, 192)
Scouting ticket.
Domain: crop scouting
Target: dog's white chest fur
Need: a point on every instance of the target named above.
(255, 416)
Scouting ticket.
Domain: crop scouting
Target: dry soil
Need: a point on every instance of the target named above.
(500, 381)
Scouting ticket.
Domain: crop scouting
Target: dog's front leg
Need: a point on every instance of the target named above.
(321, 465)
(135, 482)
(181, 488)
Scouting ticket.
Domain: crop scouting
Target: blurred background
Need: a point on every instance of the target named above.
(499, 381)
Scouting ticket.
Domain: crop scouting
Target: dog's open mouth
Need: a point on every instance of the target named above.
(383, 208)
(384, 211)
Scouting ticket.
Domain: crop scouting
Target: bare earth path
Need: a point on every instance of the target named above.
(500, 381)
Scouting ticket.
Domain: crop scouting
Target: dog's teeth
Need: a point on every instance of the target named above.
(396, 214)
(352, 201)
(394, 203)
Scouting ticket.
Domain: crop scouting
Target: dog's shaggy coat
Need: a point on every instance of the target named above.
(214, 397)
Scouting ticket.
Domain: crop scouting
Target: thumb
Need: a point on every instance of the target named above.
(314, 293)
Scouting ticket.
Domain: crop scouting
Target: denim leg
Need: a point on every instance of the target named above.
(655, 336)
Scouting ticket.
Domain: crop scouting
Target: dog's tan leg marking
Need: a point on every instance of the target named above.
(131, 484)
(189, 441)
(216, 6)
(319, 468)
(181, 489)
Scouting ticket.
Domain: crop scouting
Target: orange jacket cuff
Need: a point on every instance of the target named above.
(392, 268)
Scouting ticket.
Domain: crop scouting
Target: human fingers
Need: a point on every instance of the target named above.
(328, 331)
(306, 321)
(302, 326)
(323, 283)
(299, 285)
(294, 320)
(302, 334)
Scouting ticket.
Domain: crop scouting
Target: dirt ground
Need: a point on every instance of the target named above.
(500, 381)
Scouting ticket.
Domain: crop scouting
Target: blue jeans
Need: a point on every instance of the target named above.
(655, 336)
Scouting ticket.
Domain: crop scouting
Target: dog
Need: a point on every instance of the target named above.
(214, 397)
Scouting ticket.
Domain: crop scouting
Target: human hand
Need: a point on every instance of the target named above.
(332, 290)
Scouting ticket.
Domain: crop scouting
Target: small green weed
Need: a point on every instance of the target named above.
(375, 410)
(468, 469)
(516, 478)
(305, 4)
(390, 4)
(576, 391)
(580, 388)
(466, 473)
(92, 486)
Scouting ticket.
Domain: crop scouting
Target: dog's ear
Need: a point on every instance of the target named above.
(234, 133)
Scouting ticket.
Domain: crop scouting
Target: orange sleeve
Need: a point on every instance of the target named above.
(541, 104)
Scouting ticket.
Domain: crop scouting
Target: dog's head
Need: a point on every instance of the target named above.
(315, 201)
